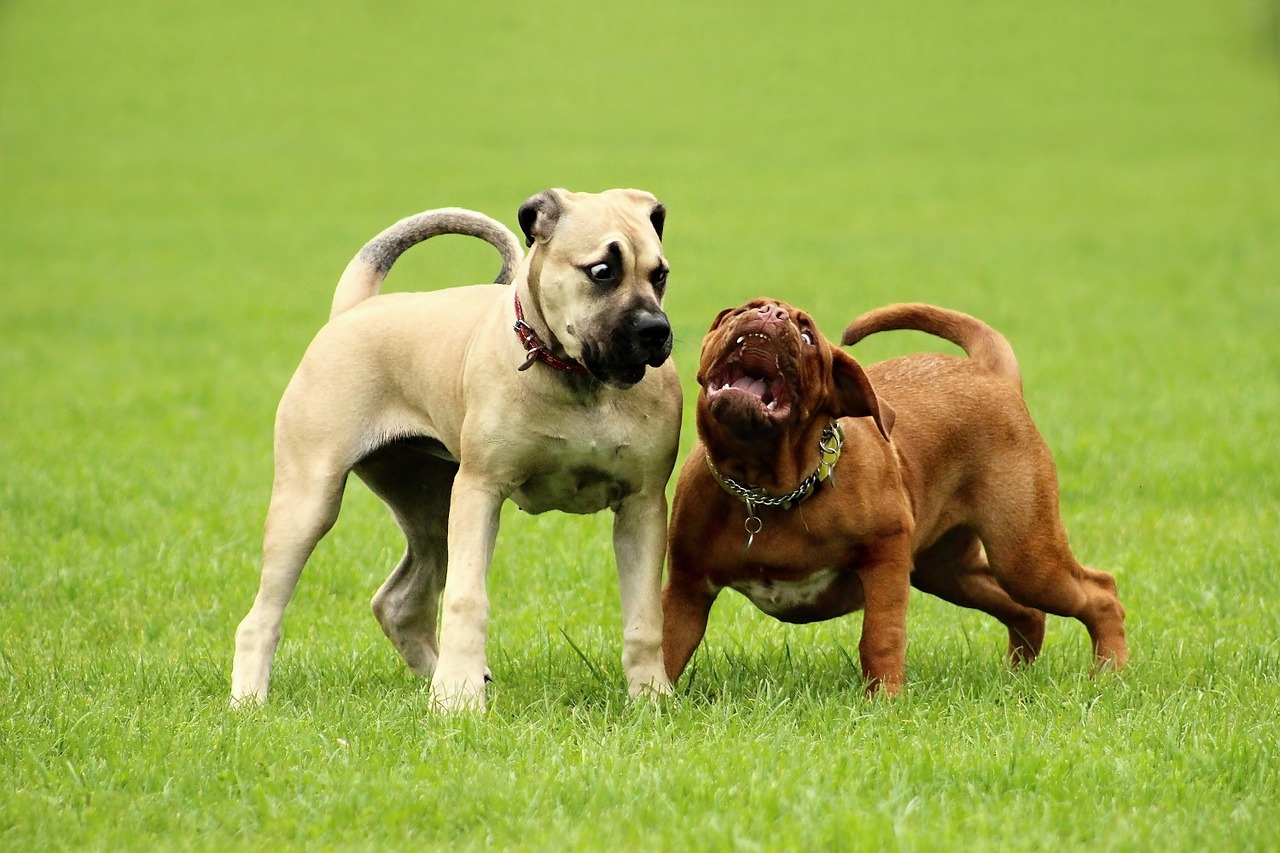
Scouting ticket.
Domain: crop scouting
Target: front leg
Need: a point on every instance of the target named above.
(686, 598)
(639, 542)
(886, 584)
(458, 681)
(686, 607)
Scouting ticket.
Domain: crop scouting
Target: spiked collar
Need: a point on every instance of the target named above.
(829, 445)
(536, 350)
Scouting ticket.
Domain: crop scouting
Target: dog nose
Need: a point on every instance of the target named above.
(773, 314)
(652, 329)
(652, 336)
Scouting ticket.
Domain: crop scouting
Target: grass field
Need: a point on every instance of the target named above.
(181, 185)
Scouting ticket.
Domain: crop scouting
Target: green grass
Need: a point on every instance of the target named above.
(180, 186)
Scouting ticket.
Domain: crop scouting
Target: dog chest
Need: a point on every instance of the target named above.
(581, 490)
(591, 453)
(577, 476)
(822, 594)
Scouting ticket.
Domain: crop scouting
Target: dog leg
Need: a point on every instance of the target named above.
(459, 678)
(299, 515)
(686, 607)
(407, 607)
(639, 542)
(1038, 570)
(415, 486)
(886, 585)
(955, 569)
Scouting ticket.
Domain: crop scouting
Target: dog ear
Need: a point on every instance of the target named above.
(658, 216)
(853, 396)
(720, 317)
(538, 216)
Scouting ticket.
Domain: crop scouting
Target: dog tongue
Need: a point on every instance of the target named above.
(751, 385)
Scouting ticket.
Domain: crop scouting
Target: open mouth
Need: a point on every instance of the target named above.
(750, 375)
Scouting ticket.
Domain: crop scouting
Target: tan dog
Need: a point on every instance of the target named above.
(448, 403)
(796, 496)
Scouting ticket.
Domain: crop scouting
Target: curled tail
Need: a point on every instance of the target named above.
(983, 344)
(364, 275)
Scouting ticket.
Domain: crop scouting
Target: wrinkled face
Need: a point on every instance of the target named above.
(599, 275)
(763, 366)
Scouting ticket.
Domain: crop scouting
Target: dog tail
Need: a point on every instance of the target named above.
(980, 342)
(364, 275)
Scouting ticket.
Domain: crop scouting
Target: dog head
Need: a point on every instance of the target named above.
(598, 275)
(766, 370)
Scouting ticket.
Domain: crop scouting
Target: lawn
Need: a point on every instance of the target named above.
(180, 187)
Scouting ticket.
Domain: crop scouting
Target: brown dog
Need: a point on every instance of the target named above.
(797, 496)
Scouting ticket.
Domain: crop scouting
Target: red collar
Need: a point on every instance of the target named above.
(538, 351)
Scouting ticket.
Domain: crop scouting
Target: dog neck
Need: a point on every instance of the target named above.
(755, 497)
(533, 330)
(776, 464)
(537, 350)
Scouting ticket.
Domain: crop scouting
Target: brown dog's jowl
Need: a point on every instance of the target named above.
(818, 488)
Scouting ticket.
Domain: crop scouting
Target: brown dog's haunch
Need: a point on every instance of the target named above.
(818, 488)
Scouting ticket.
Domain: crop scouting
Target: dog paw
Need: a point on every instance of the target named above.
(653, 689)
(885, 687)
(463, 695)
(246, 701)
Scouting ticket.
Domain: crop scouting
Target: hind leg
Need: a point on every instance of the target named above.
(955, 569)
(301, 512)
(1035, 565)
(415, 486)
(407, 606)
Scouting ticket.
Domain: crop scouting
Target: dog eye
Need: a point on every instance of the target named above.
(807, 338)
(601, 272)
(659, 277)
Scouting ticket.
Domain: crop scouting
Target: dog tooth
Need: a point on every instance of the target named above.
(741, 339)
(773, 404)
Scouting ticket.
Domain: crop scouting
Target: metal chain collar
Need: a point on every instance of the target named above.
(829, 445)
